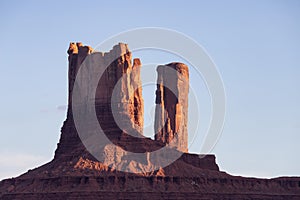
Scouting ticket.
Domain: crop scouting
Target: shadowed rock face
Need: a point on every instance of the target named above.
(171, 113)
(75, 174)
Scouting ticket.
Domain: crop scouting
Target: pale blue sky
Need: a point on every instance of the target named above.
(255, 45)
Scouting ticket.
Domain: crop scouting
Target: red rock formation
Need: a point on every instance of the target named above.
(123, 76)
(75, 174)
(128, 101)
(171, 112)
(69, 137)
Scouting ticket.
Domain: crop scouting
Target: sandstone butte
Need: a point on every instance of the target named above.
(75, 174)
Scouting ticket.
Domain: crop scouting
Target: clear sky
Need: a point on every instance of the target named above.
(255, 44)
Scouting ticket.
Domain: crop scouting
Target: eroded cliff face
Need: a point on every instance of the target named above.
(121, 77)
(171, 113)
(119, 94)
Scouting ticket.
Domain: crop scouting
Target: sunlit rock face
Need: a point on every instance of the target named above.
(171, 113)
(121, 76)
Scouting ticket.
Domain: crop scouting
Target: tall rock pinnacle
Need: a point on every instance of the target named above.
(171, 111)
(121, 77)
